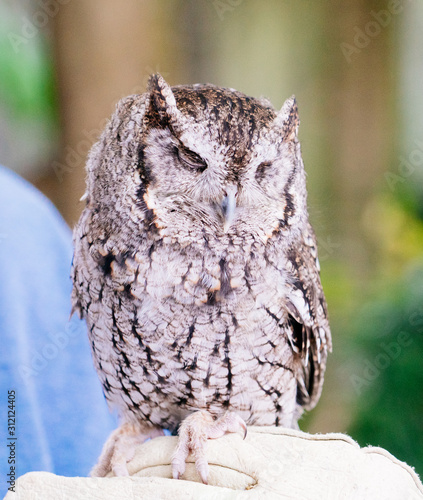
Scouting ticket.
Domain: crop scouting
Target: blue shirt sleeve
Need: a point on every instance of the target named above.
(62, 417)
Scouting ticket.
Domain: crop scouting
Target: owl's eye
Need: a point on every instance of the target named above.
(189, 159)
(261, 170)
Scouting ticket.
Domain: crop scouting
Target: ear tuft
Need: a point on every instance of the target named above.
(161, 105)
(287, 119)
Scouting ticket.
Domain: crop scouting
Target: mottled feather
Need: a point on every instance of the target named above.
(195, 265)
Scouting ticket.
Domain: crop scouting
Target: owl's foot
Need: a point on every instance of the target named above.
(119, 449)
(193, 434)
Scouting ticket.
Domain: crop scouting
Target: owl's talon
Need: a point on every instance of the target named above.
(204, 478)
(178, 468)
(193, 434)
(244, 427)
(119, 449)
(120, 470)
(202, 468)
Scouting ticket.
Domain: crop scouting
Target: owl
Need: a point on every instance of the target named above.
(196, 269)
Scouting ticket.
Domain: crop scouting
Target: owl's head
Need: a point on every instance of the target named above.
(202, 158)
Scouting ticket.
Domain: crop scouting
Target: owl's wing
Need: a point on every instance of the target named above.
(307, 327)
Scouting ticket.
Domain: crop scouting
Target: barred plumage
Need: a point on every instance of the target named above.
(195, 264)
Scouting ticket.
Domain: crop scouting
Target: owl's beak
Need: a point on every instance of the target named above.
(229, 206)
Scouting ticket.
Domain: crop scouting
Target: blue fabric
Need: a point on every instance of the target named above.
(62, 416)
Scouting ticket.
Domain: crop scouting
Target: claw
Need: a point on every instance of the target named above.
(119, 449)
(193, 434)
(178, 468)
(201, 464)
(120, 470)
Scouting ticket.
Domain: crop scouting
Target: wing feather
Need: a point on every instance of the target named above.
(308, 326)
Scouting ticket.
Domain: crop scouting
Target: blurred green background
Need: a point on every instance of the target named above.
(356, 68)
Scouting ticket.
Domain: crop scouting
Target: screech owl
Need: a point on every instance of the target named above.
(196, 269)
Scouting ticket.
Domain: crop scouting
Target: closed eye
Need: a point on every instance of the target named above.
(261, 170)
(189, 159)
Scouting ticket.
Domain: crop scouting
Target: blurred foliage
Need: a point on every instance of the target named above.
(26, 80)
(388, 340)
(28, 100)
(385, 346)
(394, 227)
